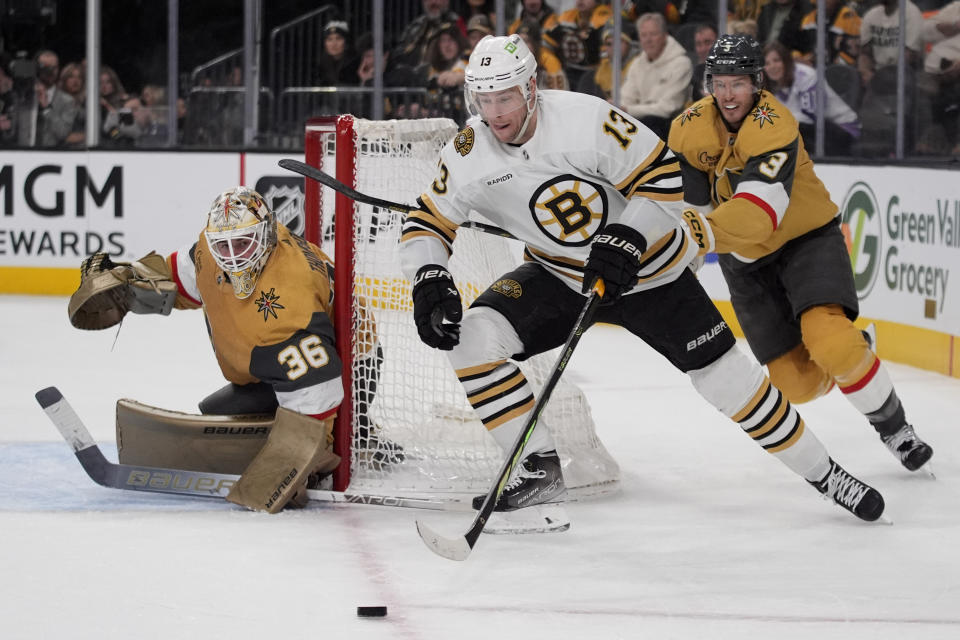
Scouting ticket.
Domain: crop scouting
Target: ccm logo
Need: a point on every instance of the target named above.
(706, 337)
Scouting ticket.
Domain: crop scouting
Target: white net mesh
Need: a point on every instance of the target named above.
(417, 402)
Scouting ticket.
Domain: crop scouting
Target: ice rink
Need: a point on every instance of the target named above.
(708, 538)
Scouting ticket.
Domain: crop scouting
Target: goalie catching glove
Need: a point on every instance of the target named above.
(615, 258)
(108, 290)
(436, 300)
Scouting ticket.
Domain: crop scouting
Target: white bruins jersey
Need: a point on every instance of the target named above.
(588, 165)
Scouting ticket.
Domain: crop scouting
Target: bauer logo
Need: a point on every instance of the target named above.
(863, 229)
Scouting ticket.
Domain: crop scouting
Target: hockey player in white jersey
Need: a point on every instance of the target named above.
(593, 194)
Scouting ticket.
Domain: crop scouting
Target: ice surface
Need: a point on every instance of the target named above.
(709, 537)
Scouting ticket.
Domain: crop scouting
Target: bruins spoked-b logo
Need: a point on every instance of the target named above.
(463, 143)
(569, 209)
(507, 287)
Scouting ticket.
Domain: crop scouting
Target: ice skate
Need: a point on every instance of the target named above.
(536, 480)
(858, 498)
(912, 452)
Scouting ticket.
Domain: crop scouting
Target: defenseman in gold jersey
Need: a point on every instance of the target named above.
(267, 296)
(758, 203)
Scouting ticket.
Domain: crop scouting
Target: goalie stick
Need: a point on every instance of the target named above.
(216, 485)
(313, 173)
(459, 548)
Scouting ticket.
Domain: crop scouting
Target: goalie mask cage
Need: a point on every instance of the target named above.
(398, 390)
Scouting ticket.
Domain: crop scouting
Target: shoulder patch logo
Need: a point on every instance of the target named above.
(509, 288)
(463, 143)
(268, 303)
(764, 113)
(690, 113)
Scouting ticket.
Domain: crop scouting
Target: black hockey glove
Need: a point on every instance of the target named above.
(614, 257)
(435, 299)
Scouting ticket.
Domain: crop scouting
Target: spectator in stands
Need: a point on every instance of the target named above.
(56, 111)
(122, 127)
(600, 82)
(781, 21)
(843, 41)
(72, 84)
(633, 9)
(745, 10)
(477, 28)
(746, 27)
(795, 85)
(8, 105)
(704, 36)
(112, 95)
(657, 84)
(443, 72)
(485, 8)
(412, 50)
(540, 11)
(577, 35)
(335, 55)
(880, 37)
(550, 74)
(943, 63)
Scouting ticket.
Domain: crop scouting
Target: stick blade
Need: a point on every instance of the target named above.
(451, 548)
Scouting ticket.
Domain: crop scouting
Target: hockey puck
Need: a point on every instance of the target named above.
(371, 612)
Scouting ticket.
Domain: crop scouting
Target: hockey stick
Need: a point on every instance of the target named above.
(183, 482)
(459, 548)
(215, 485)
(313, 173)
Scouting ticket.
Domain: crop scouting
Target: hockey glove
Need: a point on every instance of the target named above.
(615, 257)
(436, 299)
(700, 230)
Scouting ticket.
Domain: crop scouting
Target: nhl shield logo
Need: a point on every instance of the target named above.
(463, 143)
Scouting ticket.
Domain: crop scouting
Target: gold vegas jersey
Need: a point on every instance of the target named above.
(584, 163)
(282, 334)
(760, 179)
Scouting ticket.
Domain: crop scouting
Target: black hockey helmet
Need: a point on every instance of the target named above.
(734, 54)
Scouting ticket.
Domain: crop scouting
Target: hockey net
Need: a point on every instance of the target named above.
(417, 401)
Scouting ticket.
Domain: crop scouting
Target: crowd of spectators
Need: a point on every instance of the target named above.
(663, 45)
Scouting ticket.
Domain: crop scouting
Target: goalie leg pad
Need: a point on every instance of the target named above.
(298, 446)
(152, 437)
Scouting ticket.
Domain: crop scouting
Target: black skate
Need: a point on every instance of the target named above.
(858, 498)
(908, 447)
(536, 480)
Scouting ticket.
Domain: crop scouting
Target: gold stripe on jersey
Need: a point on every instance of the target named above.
(470, 373)
(429, 222)
(496, 390)
(508, 414)
(665, 255)
(790, 439)
(754, 403)
(656, 167)
(566, 267)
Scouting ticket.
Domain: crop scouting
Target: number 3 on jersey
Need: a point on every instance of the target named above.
(309, 353)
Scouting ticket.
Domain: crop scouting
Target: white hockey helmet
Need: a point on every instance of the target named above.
(498, 63)
(241, 233)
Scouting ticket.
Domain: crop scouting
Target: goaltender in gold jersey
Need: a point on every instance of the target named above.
(267, 297)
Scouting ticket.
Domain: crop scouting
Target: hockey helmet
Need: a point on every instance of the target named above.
(498, 63)
(241, 233)
(734, 54)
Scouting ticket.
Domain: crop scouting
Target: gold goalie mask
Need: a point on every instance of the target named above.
(241, 232)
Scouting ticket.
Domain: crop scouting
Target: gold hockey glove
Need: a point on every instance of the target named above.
(108, 290)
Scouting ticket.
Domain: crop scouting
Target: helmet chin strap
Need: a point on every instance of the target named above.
(526, 123)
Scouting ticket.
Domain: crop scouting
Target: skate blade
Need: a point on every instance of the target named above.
(541, 518)
(927, 468)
